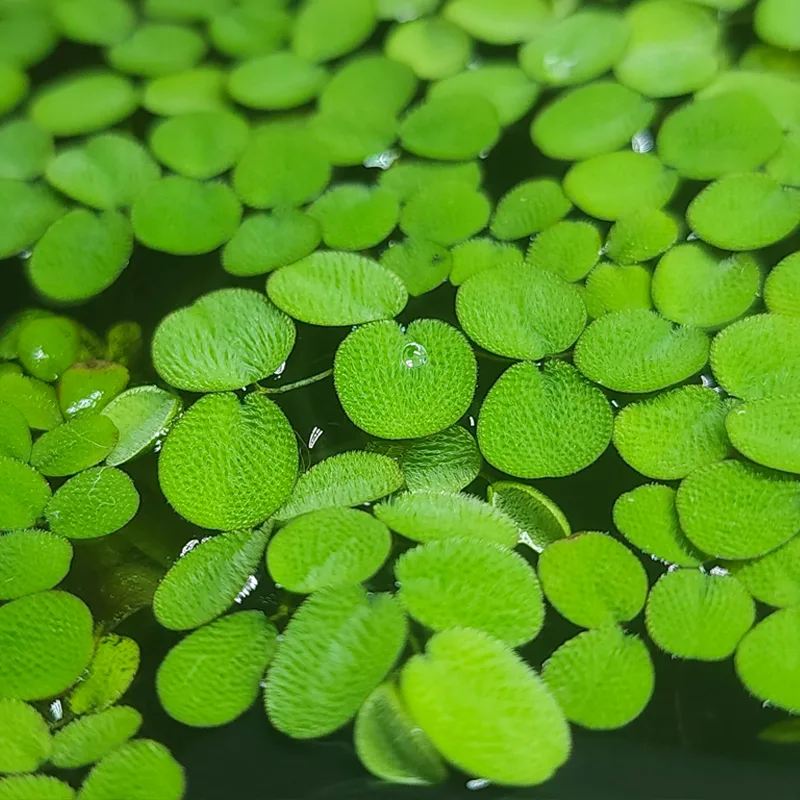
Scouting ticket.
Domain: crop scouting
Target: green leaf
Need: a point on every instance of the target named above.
(781, 732)
(25, 150)
(433, 47)
(46, 643)
(81, 255)
(447, 461)
(502, 83)
(199, 89)
(14, 86)
(88, 739)
(124, 343)
(265, 242)
(87, 387)
(112, 669)
(399, 384)
(407, 177)
(142, 415)
(211, 575)
(759, 357)
(98, 22)
(520, 311)
(421, 264)
(23, 494)
(773, 578)
(226, 661)
(276, 81)
(539, 422)
(528, 208)
(615, 185)
(326, 29)
(390, 744)
(673, 49)
(337, 288)
(445, 212)
(641, 236)
(638, 351)
(602, 679)
(74, 446)
(567, 248)
(591, 120)
(84, 103)
(777, 22)
(736, 510)
(429, 516)
(353, 216)
(478, 254)
(226, 464)
(35, 787)
(25, 741)
(27, 34)
(28, 211)
(34, 399)
(352, 136)
(182, 216)
(249, 29)
(765, 431)
(47, 346)
(485, 709)
(281, 166)
(576, 49)
(344, 480)
(451, 128)
(539, 520)
(226, 339)
(182, 11)
(610, 287)
(669, 435)
(328, 547)
(784, 166)
(201, 144)
(156, 49)
(139, 770)
(718, 135)
(782, 287)
(471, 583)
(32, 561)
(94, 503)
(15, 433)
(648, 519)
(405, 10)
(592, 580)
(691, 614)
(336, 650)
(499, 21)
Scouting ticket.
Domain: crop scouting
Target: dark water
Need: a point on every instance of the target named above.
(696, 739)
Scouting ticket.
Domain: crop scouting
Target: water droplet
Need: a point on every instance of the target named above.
(642, 142)
(558, 68)
(476, 784)
(382, 160)
(414, 355)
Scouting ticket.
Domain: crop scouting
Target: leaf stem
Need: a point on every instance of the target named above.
(296, 385)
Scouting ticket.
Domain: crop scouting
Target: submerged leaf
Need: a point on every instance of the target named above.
(109, 675)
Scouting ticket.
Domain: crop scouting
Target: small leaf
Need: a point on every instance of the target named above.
(112, 669)
(782, 287)
(14, 86)
(35, 787)
(90, 738)
(528, 208)
(28, 211)
(390, 744)
(471, 583)
(32, 561)
(98, 22)
(545, 421)
(198, 89)
(602, 679)
(539, 520)
(433, 47)
(773, 578)
(23, 494)
(766, 432)
(638, 351)
(25, 741)
(641, 236)
(140, 769)
(226, 661)
(519, 311)
(74, 446)
(648, 519)
(568, 248)
(94, 503)
(736, 510)
(249, 29)
(447, 461)
(592, 580)
(220, 565)
(782, 732)
(611, 287)
(406, 177)
(326, 29)
(485, 709)
(343, 480)
(46, 642)
(15, 433)
(34, 399)
(430, 516)
(353, 136)
(478, 254)
(25, 150)
(276, 81)
(399, 384)
(691, 614)
(776, 22)
(156, 49)
(89, 386)
(182, 216)
(421, 264)
(336, 650)
(27, 36)
(499, 22)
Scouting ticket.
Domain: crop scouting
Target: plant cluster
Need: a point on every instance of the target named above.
(642, 291)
